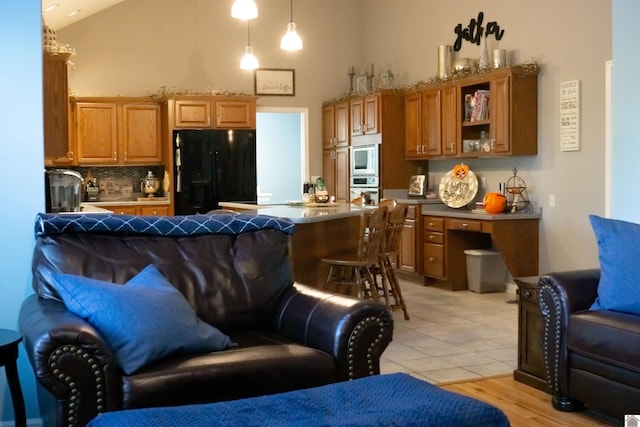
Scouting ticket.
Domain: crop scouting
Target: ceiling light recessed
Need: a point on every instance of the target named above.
(50, 8)
(72, 13)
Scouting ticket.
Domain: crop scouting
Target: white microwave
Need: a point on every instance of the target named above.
(364, 160)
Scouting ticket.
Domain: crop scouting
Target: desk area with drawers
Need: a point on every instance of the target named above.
(448, 232)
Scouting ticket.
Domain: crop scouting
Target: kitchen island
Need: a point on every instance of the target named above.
(320, 230)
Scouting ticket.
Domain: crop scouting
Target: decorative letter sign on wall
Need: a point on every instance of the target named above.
(474, 31)
(570, 115)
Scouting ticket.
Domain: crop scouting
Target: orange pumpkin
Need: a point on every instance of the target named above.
(494, 203)
(460, 171)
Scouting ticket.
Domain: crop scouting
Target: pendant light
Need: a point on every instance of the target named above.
(249, 61)
(291, 40)
(244, 9)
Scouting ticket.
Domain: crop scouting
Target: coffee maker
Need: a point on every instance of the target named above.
(63, 189)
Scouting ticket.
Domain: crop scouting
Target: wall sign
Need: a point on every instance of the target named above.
(570, 115)
(474, 31)
(272, 81)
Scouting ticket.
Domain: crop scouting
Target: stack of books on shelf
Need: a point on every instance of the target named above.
(480, 102)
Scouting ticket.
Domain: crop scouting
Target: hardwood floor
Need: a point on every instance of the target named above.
(526, 406)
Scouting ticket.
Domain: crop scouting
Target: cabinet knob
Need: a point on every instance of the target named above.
(125, 155)
(70, 155)
(431, 236)
(431, 259)
(115, 156)
(526, 294)
(465, 225)
(430, 224)
(218, 121)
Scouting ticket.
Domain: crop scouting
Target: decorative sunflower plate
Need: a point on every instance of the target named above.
(458, 187)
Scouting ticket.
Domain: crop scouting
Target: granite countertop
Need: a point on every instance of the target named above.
(300, 214)
(446, 211)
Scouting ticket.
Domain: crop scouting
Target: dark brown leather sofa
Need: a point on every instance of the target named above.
(236, 275)
(591, 357)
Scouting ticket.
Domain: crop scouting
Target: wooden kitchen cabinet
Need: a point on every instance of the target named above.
(434, 264)
(192, 113)
(143, 209)
(409, 256)
(154, 210)
(335, 172)
(229, 112)
(96, 133)
(121, 210)
(365, 115)
(386, 129)
(141, 133)
(235, 114)
(430, 123)
(58, 147)
(446, 239)
(335, 125)
(413, 125)
(335, 153)
(436, 126)
(117, 132)
(449, 121)
(513, 111)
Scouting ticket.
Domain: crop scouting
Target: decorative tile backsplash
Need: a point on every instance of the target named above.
(120, 183)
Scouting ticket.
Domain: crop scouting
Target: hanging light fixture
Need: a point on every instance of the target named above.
(249, 61)
(244, 9)
(291, 40)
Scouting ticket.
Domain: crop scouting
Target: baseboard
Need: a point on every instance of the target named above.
(31, 422)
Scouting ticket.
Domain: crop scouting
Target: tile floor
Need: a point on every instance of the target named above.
(453, 336)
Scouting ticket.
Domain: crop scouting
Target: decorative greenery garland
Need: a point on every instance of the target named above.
(531, 67)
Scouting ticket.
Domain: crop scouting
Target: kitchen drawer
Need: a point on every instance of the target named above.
(433, 237)
(433, 224)
(433, 260)
(154, 210)
(464, 224)
(121, 210)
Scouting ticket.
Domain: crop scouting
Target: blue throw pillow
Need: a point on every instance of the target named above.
(619, 253)
(143, 320)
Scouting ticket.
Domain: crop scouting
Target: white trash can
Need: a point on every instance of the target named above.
(485, 271)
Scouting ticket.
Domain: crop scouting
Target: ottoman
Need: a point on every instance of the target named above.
(381, 400)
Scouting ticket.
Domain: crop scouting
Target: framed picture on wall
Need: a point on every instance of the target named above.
(274, 81)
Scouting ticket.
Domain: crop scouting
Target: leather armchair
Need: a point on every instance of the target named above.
(289, 336)
(591, 357)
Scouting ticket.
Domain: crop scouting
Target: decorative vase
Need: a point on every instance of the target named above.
(444, 61)
(165, 183)
(484, 62)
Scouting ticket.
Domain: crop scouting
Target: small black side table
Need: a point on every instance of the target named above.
(9, 341)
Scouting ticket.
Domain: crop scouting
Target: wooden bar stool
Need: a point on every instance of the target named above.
(9, 341)
(390, 250)
(352, 268)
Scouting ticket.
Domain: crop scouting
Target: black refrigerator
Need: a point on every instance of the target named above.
(211, 166)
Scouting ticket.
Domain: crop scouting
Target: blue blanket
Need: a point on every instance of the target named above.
(174, 226)
(383, 400)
